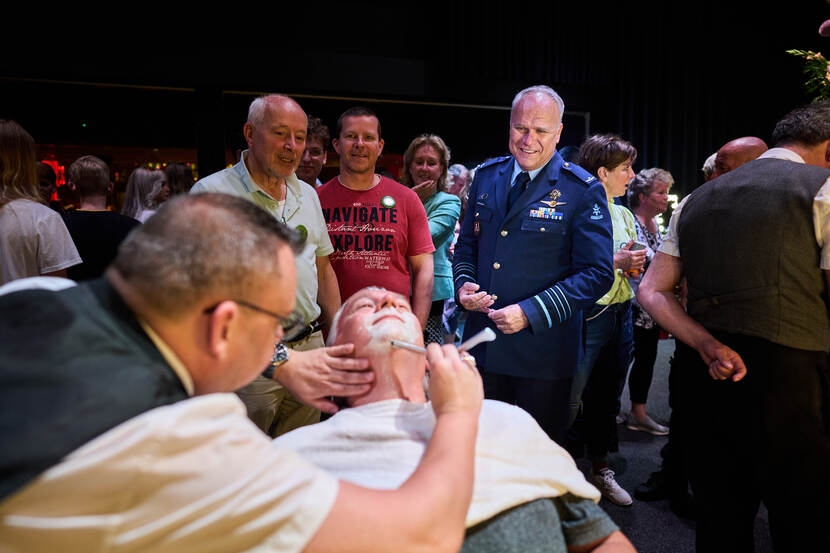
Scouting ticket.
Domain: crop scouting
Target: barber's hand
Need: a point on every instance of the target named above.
(724, 362)
(472, 300)
(454, 384)
(312, 376)
(425, 189)
(509, 319)
(627, 260)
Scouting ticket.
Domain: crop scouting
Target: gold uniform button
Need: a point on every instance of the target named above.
(567, 164)
(542, 229)
(504, 233)
(476, 213)
(497, 265)
(495, 297)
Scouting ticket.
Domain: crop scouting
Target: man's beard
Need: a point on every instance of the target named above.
(382, 333)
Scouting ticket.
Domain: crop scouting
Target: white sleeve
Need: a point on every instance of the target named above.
(324, 246)
(671, 243)
(821, 222)
(193, 476)
(55, 250)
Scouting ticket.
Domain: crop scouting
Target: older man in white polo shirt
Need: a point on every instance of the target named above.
(276, 134)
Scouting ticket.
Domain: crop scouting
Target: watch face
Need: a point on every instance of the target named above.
(280, 355)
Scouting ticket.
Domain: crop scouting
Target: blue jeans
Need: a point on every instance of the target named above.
(612, 328)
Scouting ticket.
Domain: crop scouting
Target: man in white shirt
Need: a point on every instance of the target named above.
(378, 441)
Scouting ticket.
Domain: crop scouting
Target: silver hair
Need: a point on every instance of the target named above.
(709, 165)
(541, 89)
(457, 169)
(643, 183)
(330, 340)
(256, 111)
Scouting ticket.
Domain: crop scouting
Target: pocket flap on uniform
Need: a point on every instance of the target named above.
(541, 225)
(483, 213)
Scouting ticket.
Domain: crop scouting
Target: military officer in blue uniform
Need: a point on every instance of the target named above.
(535, 249)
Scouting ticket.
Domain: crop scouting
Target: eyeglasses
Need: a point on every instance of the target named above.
(291, 323)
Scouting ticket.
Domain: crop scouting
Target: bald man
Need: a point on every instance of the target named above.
(736, 152)
(528, 493)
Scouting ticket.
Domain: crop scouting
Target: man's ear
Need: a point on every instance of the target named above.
(335, 143)
(827, 155)
(380, 144)
(559, 133)
(222, 325)
(248, 133)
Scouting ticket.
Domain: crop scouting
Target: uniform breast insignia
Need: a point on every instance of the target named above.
(552, 203)
(596, 213)
(483, 196)
(546, 213)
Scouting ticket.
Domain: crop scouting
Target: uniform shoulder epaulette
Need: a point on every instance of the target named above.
(579, 172)
(492, 161)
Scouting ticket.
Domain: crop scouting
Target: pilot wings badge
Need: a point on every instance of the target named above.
(554, 195)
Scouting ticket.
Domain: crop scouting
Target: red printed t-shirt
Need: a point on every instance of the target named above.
(373, 232)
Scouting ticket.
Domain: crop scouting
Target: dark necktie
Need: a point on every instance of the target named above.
(518, 187)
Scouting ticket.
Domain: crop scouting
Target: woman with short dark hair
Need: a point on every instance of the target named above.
(608, 340)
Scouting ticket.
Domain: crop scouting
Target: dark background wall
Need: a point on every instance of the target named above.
(677, 79)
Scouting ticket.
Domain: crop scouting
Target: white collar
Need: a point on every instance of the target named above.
(782, 153)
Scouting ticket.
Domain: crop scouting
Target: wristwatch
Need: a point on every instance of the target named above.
(280, 356)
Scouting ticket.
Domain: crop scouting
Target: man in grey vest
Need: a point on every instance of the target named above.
(754, 246)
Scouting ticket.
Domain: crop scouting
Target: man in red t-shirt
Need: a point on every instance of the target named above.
(377, 226)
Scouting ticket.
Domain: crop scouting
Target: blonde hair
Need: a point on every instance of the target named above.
(18, 168)
(143, 187)
(443, 153)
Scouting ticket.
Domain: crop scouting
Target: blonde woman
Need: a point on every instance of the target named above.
(33, 238)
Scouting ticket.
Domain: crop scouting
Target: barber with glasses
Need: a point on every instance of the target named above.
(276, 135)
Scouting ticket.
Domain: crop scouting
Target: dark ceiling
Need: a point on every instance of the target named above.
(677, 79)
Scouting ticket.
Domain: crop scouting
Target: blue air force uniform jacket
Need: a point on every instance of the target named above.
(552, 253)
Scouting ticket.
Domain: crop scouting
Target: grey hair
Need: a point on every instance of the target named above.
(643, 183)
(540, 89)
(256, 111)
(457, 169)
(709, 166)
(330, 340)
(200, 248)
